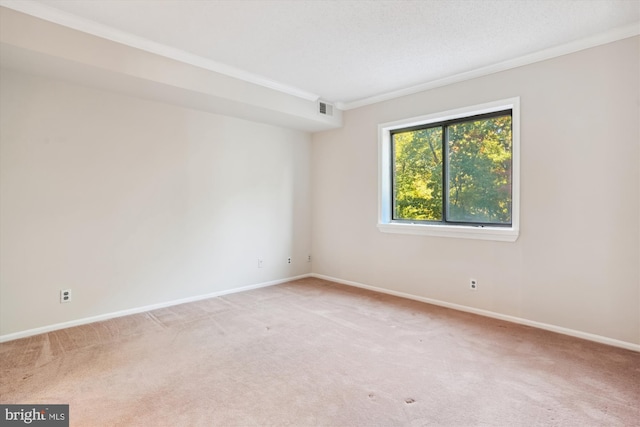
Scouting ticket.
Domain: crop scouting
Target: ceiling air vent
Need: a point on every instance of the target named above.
(325, 109)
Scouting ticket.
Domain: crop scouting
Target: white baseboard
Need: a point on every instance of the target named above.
(486, 313)
(107, 316)
(553, 328)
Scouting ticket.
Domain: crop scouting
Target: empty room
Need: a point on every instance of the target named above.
(320, 213)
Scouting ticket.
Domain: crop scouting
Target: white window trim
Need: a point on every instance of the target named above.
(387, 225)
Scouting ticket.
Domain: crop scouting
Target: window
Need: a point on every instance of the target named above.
(452, 174)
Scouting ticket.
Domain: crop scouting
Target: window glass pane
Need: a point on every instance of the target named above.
(417, 175)
(479, 176)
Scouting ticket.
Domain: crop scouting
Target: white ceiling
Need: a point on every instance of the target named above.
(347, 52)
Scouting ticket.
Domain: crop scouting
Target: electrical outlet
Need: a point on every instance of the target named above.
(65, 295)
(309, 258)
(260, 262)
(473, 284)
(289, 260)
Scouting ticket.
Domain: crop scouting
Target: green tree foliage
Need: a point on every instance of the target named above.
(418, 174)
(479, 170)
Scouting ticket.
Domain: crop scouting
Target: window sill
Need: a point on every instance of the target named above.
(461, 232)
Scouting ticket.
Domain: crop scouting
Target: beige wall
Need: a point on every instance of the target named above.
(575, 264)
(132, 203)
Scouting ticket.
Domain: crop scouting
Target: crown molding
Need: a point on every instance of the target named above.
(48, 13)
(56, 16)
(560, 50)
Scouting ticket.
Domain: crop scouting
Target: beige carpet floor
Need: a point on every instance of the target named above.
(315, 353)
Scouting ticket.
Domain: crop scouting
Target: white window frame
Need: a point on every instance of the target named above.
(388, 225)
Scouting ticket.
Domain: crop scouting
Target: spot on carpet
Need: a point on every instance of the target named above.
(371, 395)
(409, 401)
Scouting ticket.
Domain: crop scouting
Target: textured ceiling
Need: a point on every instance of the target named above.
(346, 51)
